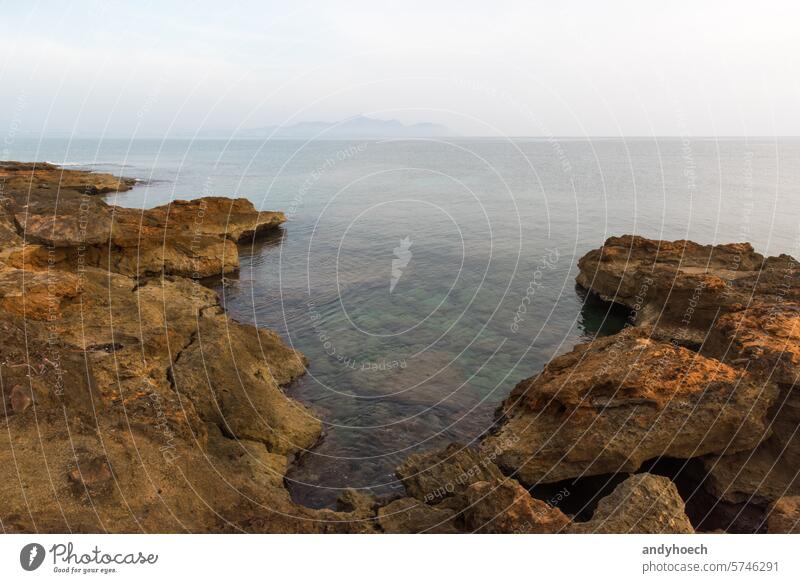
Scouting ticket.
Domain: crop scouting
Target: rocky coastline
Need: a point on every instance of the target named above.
(133, 403)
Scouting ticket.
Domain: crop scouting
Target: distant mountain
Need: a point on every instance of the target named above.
(356, 127)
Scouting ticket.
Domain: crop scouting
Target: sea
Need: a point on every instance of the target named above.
(424, 278)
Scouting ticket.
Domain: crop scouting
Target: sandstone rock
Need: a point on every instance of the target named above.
(352, 500)
(195, 238)
(232, 374)
(611, 404)
(24, 176)
(457, 489)
(765, 339)
(770, 470)
(104, 355)
(643, 504)
(784, 516)
(503, 506)
(681, 286)
(231, 218)
(409, 515)
(435, 476)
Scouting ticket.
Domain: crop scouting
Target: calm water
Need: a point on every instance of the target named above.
(424, 279)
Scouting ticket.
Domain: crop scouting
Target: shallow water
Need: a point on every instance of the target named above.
(424, 279)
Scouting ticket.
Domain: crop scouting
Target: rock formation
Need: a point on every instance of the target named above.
(681, 287)
(133, 403)
(709, 371)
(644, 504)
(610, 405)
(459, 489)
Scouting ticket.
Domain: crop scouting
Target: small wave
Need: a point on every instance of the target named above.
(89, 164)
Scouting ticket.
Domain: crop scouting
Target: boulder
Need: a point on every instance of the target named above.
(504, 506)
(611, 404)
(643, 504)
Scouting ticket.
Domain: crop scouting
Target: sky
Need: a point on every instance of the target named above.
(567, 68)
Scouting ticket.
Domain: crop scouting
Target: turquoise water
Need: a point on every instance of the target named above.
(424, 279)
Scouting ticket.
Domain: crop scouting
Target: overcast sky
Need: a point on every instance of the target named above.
(482, 68)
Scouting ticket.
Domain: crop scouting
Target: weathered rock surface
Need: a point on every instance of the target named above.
(764, 339)
(409, 515)
(195, 238)
(24, 177)
(681, 286)
(610, 405)
(784, 516)
(644, 504)
(136, 404)
(437, 475)
(458, 489)
(732, 305)
(504, 506)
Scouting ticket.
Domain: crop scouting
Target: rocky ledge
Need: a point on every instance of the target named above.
(701, 386)
(687, 419)
(133, 403)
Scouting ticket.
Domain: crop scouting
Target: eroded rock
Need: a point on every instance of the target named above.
(784, 516)
(610, 405)
(644, 504)
(435, 476)
(681, 286)
(102, 355)
(504, 506)
(409, 515)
